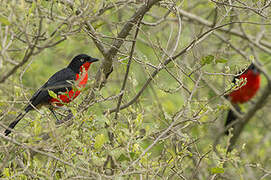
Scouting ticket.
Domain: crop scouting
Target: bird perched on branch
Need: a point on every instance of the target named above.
(243, 94)
(61, 88)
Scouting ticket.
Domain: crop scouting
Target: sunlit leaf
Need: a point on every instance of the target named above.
(207, 59)
(139, 119)
(123, 158)
(221, 60)
(4, 20)
(52, 94)
(99, 141)
(5, 172)
(217, 170)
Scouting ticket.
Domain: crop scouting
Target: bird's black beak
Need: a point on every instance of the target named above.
(92, 60)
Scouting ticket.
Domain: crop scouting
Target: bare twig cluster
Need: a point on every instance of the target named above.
(159, 103)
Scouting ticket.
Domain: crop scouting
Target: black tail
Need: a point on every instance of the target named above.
(18, 118)
(231, 117)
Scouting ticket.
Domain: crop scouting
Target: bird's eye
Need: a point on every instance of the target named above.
(82, 60)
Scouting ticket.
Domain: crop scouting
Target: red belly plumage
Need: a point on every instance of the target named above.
(65, 98)
(68, 96)
(246, 92)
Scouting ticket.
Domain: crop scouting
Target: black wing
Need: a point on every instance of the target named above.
(231, 117)
(59, 82)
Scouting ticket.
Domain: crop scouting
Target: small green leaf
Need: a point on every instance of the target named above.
(123, 158)
(221, 108)
(98, 25)
(132, 155)
(12, 112)
(221, 60)
(207, 60)
(37, 127)
(52, 94)
(204, 118)
(5, 172)
(138, 120)
(33, 7)
(99, 141)
(251, 58)
(217, 170)
(4, 20)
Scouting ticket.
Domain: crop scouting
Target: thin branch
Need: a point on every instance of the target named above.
(235, 32)
(51, 156)
(241, 7)
(91, 31)
(127, 69)
(28, 54)
(150, 146)
(251, 112)
(106, 66)
(167, 61)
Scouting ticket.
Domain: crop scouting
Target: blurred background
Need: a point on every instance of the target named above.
(170, 119)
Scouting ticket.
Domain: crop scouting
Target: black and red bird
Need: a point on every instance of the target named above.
(245, 92)
(66, 84)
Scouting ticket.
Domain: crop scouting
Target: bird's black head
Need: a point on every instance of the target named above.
(80, 60)
(254, 69)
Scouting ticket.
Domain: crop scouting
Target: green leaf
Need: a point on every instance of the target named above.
(221, 108)
(4, 20)
(98, 25)
(207, 60)
(221, 60)
(32, 8)
(132, 155)
(37, 127)
(251, 58)
(217, 170)
(138, 120)
(123, 158)
(99, 141)
(52, 94)
(6, 172)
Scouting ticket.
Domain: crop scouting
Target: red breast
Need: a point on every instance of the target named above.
(80, 82)
(246, 92)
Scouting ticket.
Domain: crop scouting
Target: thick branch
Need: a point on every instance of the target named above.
(91, 31)
(128, 27)
(167, 61)
(235, 32)
(127, 70)
(106, 66)
(28, 54)
(111, 53)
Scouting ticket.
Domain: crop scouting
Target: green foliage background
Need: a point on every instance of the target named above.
(138, 149)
